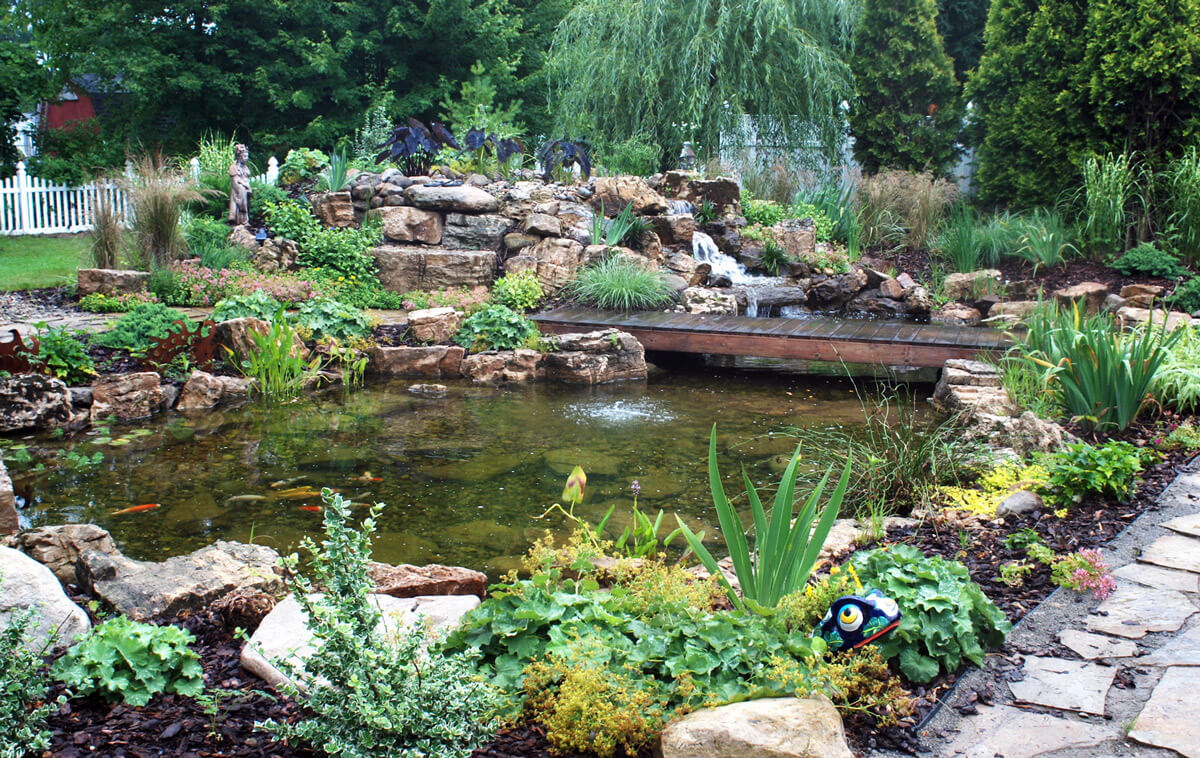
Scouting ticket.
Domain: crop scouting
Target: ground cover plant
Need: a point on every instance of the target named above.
(367, 690)
(24, 705)
(496, 327)
(137, 331)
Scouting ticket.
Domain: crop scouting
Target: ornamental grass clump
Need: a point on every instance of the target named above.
(617, 283)
(372, 691)
(785, 548)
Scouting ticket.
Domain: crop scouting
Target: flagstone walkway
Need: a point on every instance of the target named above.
(1081, 678)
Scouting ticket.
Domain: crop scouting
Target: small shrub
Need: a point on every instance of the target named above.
(1177, 382)
(98, 302)
(23, 689)
(369, 693)
(636, 156)
(263, 196)
(617, 283)
(62, 354)
(521, 291)
(342, 250)
(302, 163)
(764, 212)
(204, 235)
(496, 327)
(1148, 260)
(947, 618)
(1186, 296)
(1081, 470)
(137, 329)
(326, 318)
(291, 220)
(129, 661)
(258, 304)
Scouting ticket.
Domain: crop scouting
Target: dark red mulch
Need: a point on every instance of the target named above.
(171, 725)
(918, 265)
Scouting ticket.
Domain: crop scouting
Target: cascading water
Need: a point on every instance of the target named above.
(680, 208)
(705, 250)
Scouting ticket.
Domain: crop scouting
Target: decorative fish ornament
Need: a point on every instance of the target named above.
(854, 620)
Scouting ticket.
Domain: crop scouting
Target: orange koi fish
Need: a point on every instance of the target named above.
(136, 509)
(313, 508)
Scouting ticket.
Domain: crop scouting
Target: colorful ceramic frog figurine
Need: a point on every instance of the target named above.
(854, 620)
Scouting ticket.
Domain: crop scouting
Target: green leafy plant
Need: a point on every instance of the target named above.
(617, 283)
(291, 220)
(62, 354)
(947, 618)
(1186, 296)
(964, 241)
(137, 329)
(130, 661)
(1148, 260)
(637, 155)
(326, 318)
(1177, 382)
(1109, 186)
(262, 196)
(372, 692)
(705, 213)
(276, 363)
(1083, 571)
(302, 163)
(23, 688)
(1081, 470)
(774, 258)
(496, 327)
(258, 304)
(763, 212)
(619, 230)
(785, 550)
(1102, 375)
(1046, 241)
(521, 291)
(336, 175)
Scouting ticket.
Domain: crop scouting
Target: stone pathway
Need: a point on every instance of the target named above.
(1121, 678)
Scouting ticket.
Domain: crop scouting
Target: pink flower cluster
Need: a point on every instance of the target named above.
(1083, 571)
(204, 286)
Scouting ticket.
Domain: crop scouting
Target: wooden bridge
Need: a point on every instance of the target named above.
(895, 344)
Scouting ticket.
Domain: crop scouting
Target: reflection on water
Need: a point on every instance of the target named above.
(465, 477)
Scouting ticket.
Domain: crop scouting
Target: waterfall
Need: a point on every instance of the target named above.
(680, 208)
(706, 251)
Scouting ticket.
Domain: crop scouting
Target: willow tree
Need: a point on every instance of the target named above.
(668, 71)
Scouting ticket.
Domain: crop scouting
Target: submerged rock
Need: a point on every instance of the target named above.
(143, 590)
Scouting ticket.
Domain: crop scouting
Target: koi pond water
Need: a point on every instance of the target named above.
(465, 477)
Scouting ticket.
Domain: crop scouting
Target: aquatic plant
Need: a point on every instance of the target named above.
(276, 363)
(785, 549)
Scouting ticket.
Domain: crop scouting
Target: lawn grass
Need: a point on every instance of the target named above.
(31, 262)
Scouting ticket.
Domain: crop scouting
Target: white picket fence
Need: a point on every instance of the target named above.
(29, 205)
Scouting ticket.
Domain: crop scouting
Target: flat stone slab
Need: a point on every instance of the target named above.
(1017, 733)
(1159, 578)
(284, 634)
(1134, 611)
(1066, 685)
(1169, 718)
(1184, 650)
(1189, 525)
(1093, 646)
(1174, 551)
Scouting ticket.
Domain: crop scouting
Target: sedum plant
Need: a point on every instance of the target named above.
(786, 549)
(126, 660)
(521, 291)
(369, 692)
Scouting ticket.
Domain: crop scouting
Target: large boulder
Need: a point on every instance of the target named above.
(971, 284)
(503, 366)
(407, 580)
(434, 324)
(465, 232)
(798, 238)
(128, 397)
(405, 268)
(284, 634)
(33, 401)
(766, 728)
(613, 193)
(676, 229)
(606, 355)
(461, 199)
(433, 362)
(1156, 317)
(109, 281)
(705, 300)
(1142, 295)
(203, 390)
(334, 209)
(10, 522)
(1089, 296)
(272, 254)
(835, 291)
(58, 547)
(692, 271)
(235, 335)
(554, 260)
(143, 590)
(404, 224)
(543, 225)
(26, 585)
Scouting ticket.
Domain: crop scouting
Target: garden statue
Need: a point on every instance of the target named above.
(853, 621)
(687, 158)
(239, 186)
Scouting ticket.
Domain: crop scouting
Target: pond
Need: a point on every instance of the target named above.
(465, 477)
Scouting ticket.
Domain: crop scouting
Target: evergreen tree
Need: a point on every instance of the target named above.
(1031, 116)
(907, 112)
(667, 71)
(961, 23)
